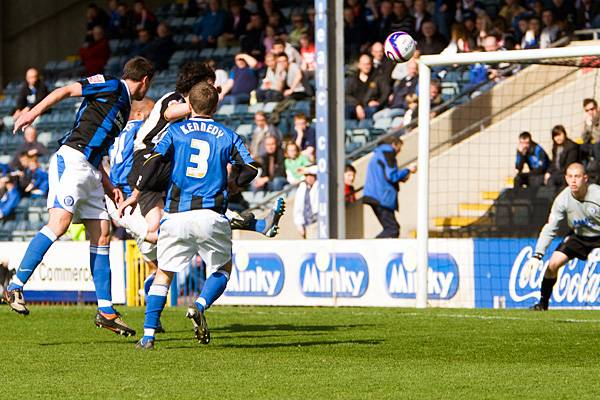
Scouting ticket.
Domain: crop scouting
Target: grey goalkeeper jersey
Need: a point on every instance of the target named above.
(582, 216)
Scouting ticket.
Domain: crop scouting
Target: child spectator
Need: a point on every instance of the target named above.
(308, 53)
(38, 185)
(349, 191)
(294, 163)
(306, 206)
(304, 136)
(11, 197)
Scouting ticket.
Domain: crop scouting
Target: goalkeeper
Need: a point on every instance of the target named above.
(579, 203)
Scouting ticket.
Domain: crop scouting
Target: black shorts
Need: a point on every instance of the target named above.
(156, 188)
(161, 178)
(149, 199)
(574, 246)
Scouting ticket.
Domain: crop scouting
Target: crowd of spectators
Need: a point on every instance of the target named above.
(382, 90)
(544, 170)
(23, 176)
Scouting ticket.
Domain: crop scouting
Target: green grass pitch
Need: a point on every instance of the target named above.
(306, 353)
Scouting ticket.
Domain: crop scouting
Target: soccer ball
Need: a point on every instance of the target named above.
(399, 47)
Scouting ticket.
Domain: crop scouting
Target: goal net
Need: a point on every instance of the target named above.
(478, 215)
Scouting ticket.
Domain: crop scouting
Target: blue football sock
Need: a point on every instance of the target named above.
(213, 289)
(148, 282)
(100, 266)
(259, 225)
(155, 303)
(36, 250)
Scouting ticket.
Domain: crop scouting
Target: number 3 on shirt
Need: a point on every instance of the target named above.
(200, 160)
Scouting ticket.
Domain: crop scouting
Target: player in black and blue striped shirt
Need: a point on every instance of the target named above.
(78, 185)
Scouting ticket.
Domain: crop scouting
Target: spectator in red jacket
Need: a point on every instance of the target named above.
(94, 55)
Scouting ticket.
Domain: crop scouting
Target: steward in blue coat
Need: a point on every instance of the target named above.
(383, 183)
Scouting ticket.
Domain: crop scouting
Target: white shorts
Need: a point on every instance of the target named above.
(135, 224)
(75, 186)
(185, 234)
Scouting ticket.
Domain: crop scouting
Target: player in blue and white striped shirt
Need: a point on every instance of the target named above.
(200, 150)
(78, 185)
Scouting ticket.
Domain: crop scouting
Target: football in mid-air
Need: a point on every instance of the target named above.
(399, 47)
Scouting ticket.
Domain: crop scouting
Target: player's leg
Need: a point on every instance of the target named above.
(64, 178)
(557, 261)
(155, 304)
(268, 226)
(58, 223)
(107, 317)
(175, 251)
(214, 246)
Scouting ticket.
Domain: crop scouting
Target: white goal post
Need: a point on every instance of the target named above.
(425, 64)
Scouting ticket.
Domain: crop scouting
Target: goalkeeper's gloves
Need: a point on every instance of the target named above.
(534, 263)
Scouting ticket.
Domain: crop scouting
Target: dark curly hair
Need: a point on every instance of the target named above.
(191, 73)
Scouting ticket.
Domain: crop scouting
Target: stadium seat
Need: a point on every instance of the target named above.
(256, 107)
(350, 147)
(226, 109)
(269, 107)
(350, 124)
(244, 130)
(206, 53)
(383, 123)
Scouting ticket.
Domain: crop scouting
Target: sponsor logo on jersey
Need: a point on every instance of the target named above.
(96, 79)
(256, 275)
(323, 274)
(578, 282)
(442, 276)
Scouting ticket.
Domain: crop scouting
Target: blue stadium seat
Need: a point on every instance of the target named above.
(269, 107)
(302, 106)
(226, 109)
(232, 51)
(244, 130)
(382, 123)
(206, 53)
(254, 108)
(350, 147)
(350, 124)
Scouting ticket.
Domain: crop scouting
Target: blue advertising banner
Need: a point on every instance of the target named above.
(500, 282)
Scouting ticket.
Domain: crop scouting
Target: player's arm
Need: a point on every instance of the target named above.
(25, 119)
(247, 168)
(162, 150)
(177, 111)
(549, 231)
(114, 193)
(393, 174)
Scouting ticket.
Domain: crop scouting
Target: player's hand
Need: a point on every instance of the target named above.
(360, 112)
(24, 120)
(129, 202)
(117, 196)
(533, 264)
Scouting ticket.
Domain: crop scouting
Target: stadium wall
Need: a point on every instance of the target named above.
(463, 273)
(466, 273)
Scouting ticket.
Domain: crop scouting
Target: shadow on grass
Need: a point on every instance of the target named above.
(372, 342)
(234, 328)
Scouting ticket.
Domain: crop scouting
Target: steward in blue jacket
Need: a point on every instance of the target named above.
(383, 183)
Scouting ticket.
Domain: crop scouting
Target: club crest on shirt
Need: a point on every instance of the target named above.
(96, 79)
(593, 210)
(69, 201)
